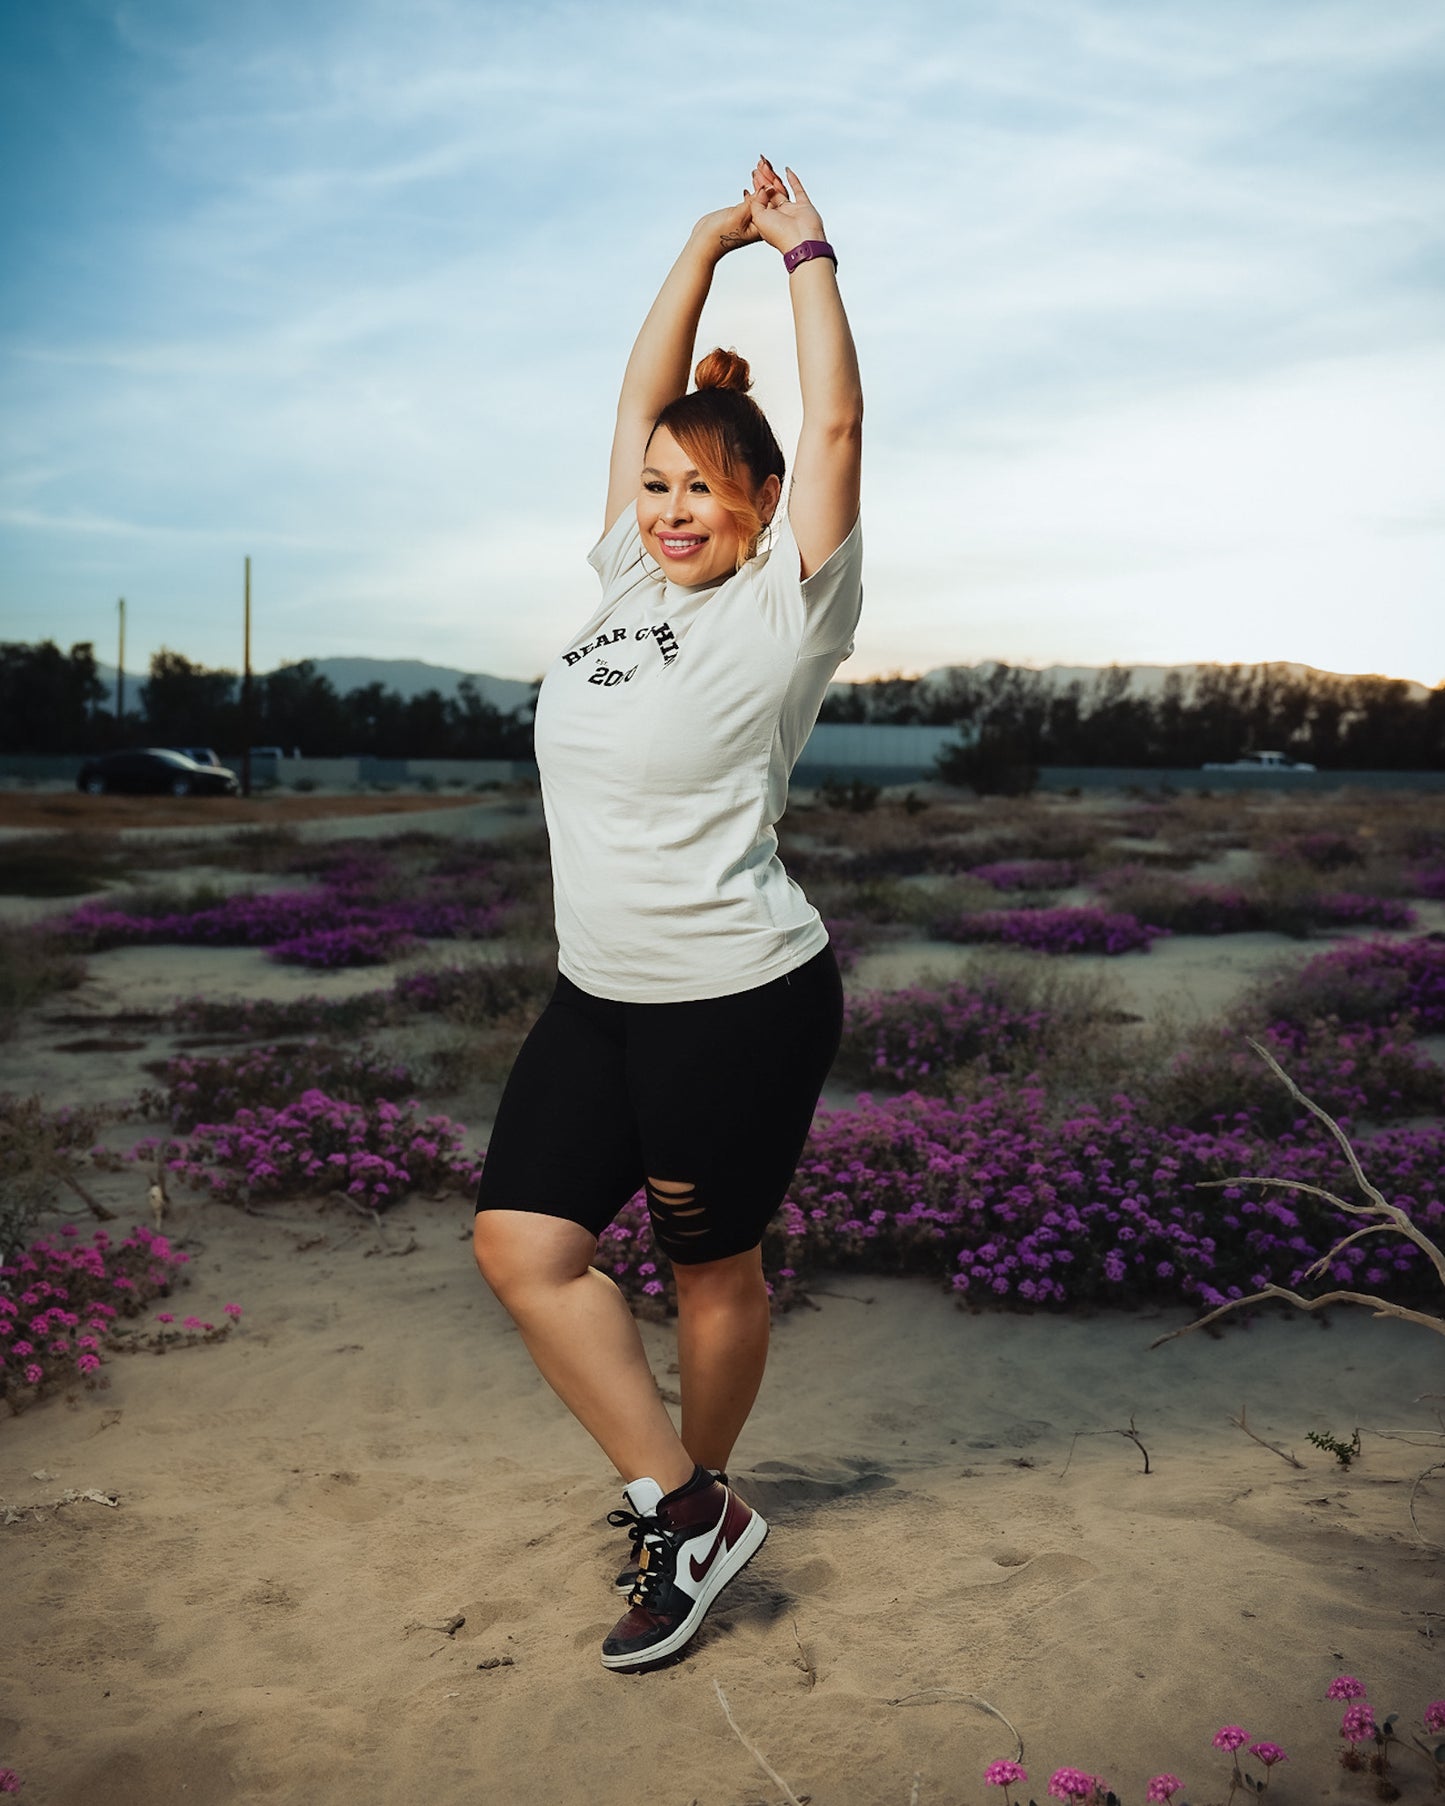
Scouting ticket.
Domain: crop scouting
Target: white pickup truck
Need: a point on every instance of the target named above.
(1275, 762)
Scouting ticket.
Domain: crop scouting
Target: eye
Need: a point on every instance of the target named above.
(653, 487)
(700, 488)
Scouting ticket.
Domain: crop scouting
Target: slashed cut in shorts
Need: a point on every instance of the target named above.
(712, 1099)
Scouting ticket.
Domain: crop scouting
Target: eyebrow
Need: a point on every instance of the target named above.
(651, 470)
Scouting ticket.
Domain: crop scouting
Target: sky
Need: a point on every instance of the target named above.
(1150, 305)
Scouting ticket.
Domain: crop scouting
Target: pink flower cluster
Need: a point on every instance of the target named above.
(917, 1037)
(70, 1295)
(373, 1152)
(349, 921)
(217, 1086)
(1084, 930)
(1027, 874)
(1075, 1784)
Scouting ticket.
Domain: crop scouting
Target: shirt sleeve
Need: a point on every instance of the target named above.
(619, 547)
(821, 610)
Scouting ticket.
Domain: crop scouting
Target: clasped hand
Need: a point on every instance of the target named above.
(767, 212)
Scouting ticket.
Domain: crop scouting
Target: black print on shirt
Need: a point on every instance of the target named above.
(607, 678)
(666, 642)
(603, 639)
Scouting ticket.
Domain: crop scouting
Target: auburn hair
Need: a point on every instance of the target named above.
(727, 436)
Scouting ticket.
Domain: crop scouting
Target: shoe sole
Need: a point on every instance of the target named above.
(728, 1569)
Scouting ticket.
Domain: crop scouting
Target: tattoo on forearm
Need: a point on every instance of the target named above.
(731, 240)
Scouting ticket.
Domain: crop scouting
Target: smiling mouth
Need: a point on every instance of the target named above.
(677, 545)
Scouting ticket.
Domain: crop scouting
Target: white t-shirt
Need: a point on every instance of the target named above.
(666, 734)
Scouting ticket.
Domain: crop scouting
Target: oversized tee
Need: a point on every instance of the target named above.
(666, 734)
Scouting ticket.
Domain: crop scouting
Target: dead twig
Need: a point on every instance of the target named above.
(1420, 1480)
(929, 1696)
(93, 1205)
(1130, 1435)
(1240, 1423)
(1378, 1307)
(753, 1750)
(802, 1660)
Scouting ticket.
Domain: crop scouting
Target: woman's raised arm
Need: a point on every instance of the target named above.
(661, 361)
(827, 470)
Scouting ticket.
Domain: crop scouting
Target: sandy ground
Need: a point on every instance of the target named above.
(303, 1509)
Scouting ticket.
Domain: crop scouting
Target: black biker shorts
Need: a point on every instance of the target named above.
(711, 1099)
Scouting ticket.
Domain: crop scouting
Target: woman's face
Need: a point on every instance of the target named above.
(684, 526)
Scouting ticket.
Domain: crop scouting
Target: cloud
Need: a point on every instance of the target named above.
(1148, 304)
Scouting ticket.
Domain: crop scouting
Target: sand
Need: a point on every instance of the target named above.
(302, 1511)
(299, 1510)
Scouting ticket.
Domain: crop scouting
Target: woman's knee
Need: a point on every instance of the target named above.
(734, 1278)
(518, 1252)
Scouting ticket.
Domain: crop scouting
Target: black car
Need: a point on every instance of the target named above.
(155, 771)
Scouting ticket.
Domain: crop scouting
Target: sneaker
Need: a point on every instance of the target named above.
(627, 1577)
(693, 1542)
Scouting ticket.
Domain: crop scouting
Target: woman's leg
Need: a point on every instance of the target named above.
(580, 1333)
(722, 1348)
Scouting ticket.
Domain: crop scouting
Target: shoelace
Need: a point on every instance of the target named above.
(642, 1532)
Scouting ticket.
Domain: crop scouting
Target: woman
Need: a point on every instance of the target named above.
(698, 1004)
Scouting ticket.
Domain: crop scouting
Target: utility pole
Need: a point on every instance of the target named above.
(120, 673)
(246, 694)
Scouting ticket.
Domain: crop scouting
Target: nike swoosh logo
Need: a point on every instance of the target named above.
(699, 1569)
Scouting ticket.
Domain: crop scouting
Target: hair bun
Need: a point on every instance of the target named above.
(724, 370)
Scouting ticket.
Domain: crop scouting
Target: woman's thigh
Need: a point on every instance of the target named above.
(724, 1091)
(565, 1141)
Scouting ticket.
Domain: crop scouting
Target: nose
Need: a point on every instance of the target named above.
(677, 504)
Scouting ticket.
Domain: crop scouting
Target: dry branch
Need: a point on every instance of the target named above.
(931, 1695)
(753, 1750)
(1420, 1480)
(1387, 1215)
(1241, 1423)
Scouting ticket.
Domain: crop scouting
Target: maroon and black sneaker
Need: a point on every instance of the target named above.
(693, 1542)
(627, 1578)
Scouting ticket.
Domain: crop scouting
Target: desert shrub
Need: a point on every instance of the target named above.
(374, 1153)
(893, 902)
(353, 944)
(1377, 982)
(856, 796)
(1281, 904)
(61, 865)
(336, 925)
(64, 1299)
(258, 1017)
(1324, 850)
(41, 1153)
(1015, 1015)
(1052, 930)
(34, 964)
(919, 1038)
(994, 764)
(475, 995)
(198, 1089)
(1026, 874)
(1353, 1070)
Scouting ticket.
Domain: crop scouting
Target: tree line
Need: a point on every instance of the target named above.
(1220, 712)
(55, 702)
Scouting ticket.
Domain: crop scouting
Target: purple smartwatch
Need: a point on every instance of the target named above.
(806, 252)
